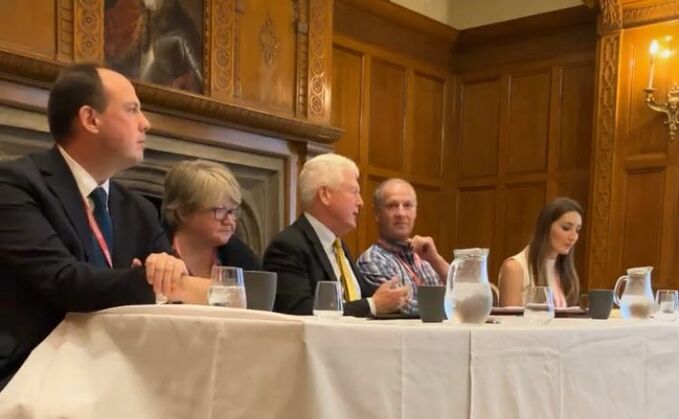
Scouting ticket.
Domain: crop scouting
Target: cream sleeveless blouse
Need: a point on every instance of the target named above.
(529, 281)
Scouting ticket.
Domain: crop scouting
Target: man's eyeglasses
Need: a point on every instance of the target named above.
(220, 212)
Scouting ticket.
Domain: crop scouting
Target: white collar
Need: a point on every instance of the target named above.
(86, 183)
(324, 234)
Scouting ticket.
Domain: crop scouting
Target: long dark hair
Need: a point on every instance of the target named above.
(539, 247)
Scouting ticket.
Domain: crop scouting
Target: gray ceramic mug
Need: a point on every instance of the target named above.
(430, 303)
(260, 289)
(599, 303)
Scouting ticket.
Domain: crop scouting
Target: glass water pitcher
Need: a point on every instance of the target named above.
(637, 300)
(468, 294)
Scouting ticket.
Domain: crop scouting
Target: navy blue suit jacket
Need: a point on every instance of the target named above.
(46, 246)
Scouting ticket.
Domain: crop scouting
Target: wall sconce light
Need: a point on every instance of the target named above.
(671, 107)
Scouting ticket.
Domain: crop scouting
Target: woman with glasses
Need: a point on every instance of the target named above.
(200, 210)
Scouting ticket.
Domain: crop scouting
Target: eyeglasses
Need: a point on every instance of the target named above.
(220, 212)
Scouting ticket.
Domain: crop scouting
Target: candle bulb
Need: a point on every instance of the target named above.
(653, 50)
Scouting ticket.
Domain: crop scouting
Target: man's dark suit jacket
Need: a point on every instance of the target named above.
(45, 246)
(297, 255)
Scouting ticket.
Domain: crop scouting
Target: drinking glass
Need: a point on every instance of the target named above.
(226, 287)
(328, 300)
(539, 305)
(667, 304)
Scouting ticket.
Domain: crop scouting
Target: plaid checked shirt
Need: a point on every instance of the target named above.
(384, 260)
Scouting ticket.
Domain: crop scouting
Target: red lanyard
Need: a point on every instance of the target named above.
(97, 234)
(404, 263)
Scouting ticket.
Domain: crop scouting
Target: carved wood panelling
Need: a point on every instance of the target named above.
(611, 12)
(221, 41)
(65, 30)
(664, 11)
(89, 30)
(232, 115)
(319, 34)
(301, 16)
(603, 154)
(268, 41)
(237, 85)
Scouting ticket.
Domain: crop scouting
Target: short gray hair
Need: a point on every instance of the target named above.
(378, 195)
(323, 170)
(192, 185)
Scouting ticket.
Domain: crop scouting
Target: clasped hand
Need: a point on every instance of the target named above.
(163, 272)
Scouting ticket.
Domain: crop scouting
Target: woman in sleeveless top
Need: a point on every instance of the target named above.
(548, 259)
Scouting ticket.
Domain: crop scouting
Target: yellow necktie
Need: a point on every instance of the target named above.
(349, 289)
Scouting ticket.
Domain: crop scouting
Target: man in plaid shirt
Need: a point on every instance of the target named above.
(414, 259)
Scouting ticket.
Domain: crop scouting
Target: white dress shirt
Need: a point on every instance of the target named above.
(327, 239)
(86, 183)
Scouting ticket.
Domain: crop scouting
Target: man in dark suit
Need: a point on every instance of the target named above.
(69, 236)
(310, 250)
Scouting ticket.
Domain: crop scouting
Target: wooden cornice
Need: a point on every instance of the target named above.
(637, 14)
(405, 17)
(530, 26)
(41, 72)
(619, 14)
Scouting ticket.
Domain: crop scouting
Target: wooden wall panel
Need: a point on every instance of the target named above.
(347, 79)
(430, 213)
(643, 219)
(577, 103)
(475, 218)
(401, 107)
(267, 54)
(523, 203)
(29, 25)
(479, 128)
(347, 82)
(528, 122)
(426, 145)
(387, 113)
(637, 180)
(524, 123)
(643, 135)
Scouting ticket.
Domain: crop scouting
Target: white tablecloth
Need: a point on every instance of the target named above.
(208, 362)
(205, 362)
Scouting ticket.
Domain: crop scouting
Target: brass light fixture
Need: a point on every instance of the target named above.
(671, 106)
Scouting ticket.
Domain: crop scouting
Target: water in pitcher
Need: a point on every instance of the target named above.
(471, 302)
(636, 307)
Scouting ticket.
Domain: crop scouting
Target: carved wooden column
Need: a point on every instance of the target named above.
(80, 28)
(220, 18)
(320, 60)
(608, 62)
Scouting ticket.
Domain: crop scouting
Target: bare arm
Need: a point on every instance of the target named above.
(511, 283)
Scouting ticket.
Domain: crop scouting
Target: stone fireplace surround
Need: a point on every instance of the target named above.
(265, 167)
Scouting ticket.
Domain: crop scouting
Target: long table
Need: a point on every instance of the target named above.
(182, 361)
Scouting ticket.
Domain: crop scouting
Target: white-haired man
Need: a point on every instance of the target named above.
(310, 250)
(413, 259)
